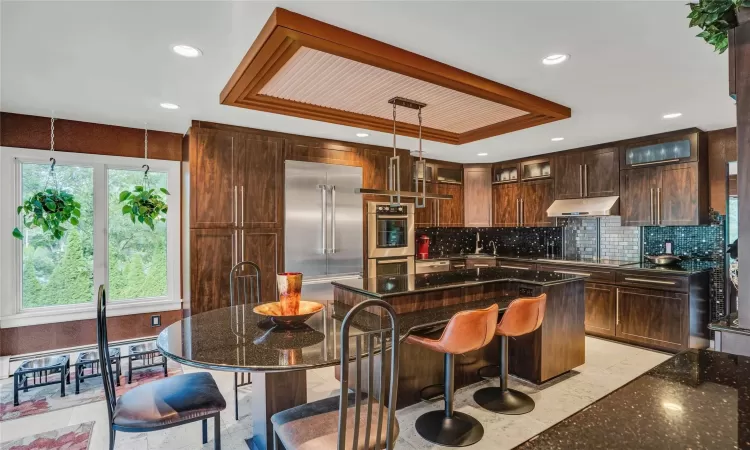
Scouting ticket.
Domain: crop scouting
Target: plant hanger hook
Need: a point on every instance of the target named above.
(147, 169)
(53, 161)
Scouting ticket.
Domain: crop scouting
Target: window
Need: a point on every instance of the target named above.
(45, 280)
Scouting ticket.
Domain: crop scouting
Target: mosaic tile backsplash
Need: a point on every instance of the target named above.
(446, 241)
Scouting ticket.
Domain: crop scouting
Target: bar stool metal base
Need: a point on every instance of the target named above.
(460, 430)
(509, 401)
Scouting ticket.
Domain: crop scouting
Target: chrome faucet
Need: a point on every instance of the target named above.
(478, 248)
(494, 249)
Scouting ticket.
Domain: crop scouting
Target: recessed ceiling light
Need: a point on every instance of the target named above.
(362, 134)
(672, 115)
(169, 106)
(187, 51)
(555, 59)
(481, 154)
(557, 139)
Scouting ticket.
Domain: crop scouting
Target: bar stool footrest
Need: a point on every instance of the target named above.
(461, 430)
(504, 402)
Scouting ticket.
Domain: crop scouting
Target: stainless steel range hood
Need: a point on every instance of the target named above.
(405, 194)
(585, 207)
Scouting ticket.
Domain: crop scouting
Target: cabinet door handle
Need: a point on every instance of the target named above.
(505, 266)
(481, 265)
(652, 206)
(586, 180)
(580, 179)
(523, 210)
(644, 280)
(242, 205)
(242, 245)
(658, 206)
(236, 218)
(459, 266)
(573, 273)
(655, 162)
(617, 308)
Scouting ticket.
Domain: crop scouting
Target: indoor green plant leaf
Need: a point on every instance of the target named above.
(143, 205)
(715, 18)
(49, 210)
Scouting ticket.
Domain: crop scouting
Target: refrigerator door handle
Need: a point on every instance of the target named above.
(333, 220)
(324, 217)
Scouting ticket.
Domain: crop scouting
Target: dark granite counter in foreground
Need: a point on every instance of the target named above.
(699, 399)
(395, 285)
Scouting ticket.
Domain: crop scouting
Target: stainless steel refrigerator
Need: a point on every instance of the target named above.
(323, 224)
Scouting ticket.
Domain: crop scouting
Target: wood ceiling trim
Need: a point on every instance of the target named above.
(286, 31)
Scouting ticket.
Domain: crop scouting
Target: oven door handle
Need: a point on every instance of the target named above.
(393, 261)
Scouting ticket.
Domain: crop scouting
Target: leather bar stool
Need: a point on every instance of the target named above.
(523, 316)
(467, 331)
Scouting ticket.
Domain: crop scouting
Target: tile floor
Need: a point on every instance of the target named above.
(609, 365)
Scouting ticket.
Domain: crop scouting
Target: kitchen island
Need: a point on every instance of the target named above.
(425, 302)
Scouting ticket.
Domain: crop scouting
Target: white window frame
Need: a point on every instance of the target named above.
(12, 314)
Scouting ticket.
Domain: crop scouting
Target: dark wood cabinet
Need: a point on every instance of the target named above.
(236, 180)
(478, 196)
(674, 194)
(601, 311)
(653, 317)
(480, 262)
(536, 198)
(601, 168)
(637, 188)
(212, 182)
(505, 205)
(264, 248)
(426, 217)
(450, 213)
(587, 173)
(212, 255)
(668, 148)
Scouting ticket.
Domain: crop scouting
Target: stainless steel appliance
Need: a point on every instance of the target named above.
(432, 266)
(390, 230)
(323, 222)
(390, 266)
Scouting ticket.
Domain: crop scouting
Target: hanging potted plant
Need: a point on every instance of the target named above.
(716, 18)
(49, 209)
(143, 204)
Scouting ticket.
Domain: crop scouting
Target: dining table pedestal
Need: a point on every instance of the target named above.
(280, 391)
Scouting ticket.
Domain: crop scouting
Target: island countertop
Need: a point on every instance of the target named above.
(698, 399)
(396, 285)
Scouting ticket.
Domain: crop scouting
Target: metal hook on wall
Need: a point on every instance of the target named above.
(147, 169)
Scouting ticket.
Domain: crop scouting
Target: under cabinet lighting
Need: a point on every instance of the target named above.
(169, 106)
(551, 60)
(672, 115)
(187, 51)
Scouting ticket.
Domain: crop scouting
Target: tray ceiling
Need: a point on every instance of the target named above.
(302, 67)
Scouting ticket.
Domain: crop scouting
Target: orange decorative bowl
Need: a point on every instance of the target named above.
(273, 311)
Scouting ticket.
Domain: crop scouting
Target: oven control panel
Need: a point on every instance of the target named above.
(391, 210)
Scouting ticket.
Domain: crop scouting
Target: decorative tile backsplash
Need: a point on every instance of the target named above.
(616, 241)
(509, 241)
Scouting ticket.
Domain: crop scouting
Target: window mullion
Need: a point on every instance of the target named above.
(100, 227)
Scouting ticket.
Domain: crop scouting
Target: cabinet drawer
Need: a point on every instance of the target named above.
(593, 273)
(458, 264)
(643, 279)
(514, 264)
(472, 263)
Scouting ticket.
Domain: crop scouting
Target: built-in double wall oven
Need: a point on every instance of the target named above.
(390, 239)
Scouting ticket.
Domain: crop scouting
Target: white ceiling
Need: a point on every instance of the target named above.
(111, 62)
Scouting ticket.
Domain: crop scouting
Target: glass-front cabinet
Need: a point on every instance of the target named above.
(661, 151)
(536, 169)
(505, 173)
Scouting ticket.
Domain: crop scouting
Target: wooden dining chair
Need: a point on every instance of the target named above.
(357, 420)
(244, 289)
(160, 404)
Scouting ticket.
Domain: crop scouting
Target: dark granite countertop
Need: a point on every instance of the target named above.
(698, 399)
(393, 285)
(237, 339)
(728, 323)
(688, 266)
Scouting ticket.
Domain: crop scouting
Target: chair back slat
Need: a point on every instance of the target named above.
(386, 397)
(244, 284)
(102, 344)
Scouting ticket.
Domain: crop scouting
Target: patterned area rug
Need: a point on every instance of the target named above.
(75, 437)
(47, 398)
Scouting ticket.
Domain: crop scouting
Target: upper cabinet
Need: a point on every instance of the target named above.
(536, 198)
(535, 169)
(236, 180)
(506, 172)
(477, 196)
(672, 148)
(587, 173)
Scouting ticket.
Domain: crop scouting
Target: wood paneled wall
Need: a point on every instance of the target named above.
(19, 130)
(52, 336)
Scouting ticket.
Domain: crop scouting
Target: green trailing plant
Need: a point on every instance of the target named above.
(49, 210)
(144, 205)
(716, 18)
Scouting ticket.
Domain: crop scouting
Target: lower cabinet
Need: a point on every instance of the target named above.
(652, 317)
(601, 309)
(480, 262)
